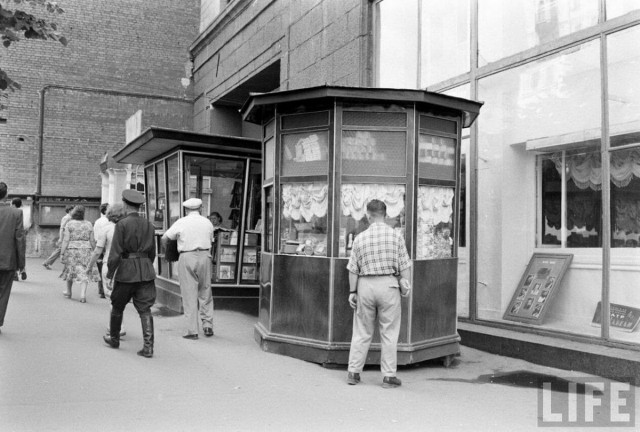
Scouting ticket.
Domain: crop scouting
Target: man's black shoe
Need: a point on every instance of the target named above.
(23, 275)
(191, 336)
(353, 378)
(208, 331)
(391, 382)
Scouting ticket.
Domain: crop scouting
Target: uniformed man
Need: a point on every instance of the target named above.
(194, 234)
(130, 271)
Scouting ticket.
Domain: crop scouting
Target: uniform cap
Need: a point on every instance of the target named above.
(132, 197)
(192, 203)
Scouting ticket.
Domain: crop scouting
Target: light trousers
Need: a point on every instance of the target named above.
(377, 298)
(194, 275)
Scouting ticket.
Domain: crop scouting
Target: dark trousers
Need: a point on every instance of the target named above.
(142, 293)
(6, 281)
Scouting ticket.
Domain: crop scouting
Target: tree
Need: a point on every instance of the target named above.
(17, 24)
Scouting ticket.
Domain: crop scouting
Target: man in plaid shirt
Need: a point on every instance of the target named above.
(378, 255)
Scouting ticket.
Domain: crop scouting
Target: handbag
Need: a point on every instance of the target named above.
(171, 253)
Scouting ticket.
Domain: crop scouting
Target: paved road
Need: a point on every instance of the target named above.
(56, 374)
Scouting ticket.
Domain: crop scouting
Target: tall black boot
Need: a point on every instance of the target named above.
(147, 334)
(115, 323)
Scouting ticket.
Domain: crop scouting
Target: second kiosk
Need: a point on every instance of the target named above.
(328, 151)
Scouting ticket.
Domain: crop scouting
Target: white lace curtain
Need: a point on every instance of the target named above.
(355, 198)
(586, 169)
(304, 200)
(435, 204)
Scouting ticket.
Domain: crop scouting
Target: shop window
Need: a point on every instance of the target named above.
(303, 225)
(150, 182)
(381, 152)
(571, 181)
(434, 237)
(436, 157)
(353, 219)
(268, 223)
(507, 27)
(159, 216)
(305, 154)
(173, 189)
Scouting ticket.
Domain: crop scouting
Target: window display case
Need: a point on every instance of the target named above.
(328, 152)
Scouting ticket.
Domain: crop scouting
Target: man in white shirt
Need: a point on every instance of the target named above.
(98, 227)
(194, 234)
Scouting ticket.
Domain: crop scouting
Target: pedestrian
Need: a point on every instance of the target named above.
(194, 234)
(12, 252)
(103, 246)
(130, 271)
(378, 256)
(20, 273)
(98, 227)
(77, 246)
(56, 253)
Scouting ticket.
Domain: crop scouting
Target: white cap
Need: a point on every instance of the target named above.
(192, 203)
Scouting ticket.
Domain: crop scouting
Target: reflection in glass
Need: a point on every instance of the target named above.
(623, 58)
(268, 210)
(150, 186)
(616, 8)
(303, 225)
(506, 27)
(397, 43)
(353, 217)
(445, 40)
(158, 218)
(173, 175)
(435, 222)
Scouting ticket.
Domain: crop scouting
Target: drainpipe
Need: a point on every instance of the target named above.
(42, 93)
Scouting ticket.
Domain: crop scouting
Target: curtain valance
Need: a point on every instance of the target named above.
(304, 200)
(586, 169)
(355, 198)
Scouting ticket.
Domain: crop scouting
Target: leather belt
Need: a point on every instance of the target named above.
(195, 250)
(134, 255)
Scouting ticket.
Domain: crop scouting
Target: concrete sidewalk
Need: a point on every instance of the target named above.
(56, 374)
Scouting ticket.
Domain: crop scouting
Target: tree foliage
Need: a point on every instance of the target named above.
(17, 24)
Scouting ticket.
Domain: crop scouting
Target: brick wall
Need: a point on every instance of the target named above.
(136, 47)
(317, 42)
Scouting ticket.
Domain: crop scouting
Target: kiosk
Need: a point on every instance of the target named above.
(327, 151)
(225, 173)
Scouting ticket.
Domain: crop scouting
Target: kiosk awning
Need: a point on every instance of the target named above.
(155, 142)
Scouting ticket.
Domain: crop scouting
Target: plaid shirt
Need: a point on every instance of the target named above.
(378, 251)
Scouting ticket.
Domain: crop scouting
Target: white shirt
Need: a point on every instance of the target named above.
(192, 231)
(103, 239)
(100, 225)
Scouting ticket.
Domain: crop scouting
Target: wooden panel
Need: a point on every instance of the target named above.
(434, 299)
(265, 289)
(343, 314)
(300, 296)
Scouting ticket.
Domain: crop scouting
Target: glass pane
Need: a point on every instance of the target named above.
(625, 225)
(150, 186)
(268, 210)
(463, 91)
(551, 196)
(435, 222)
(269, 158)
(506, 27)
(219, 183)
(305, 154)
(445, 40)
(623, 58)
(463, 229)
(436, 157)
(397, 43)
(254, 203)
(159, 217)
(175, 204)
(303, 225)
(374, 153)
(353, 218)
(616, 8)
(550, 105)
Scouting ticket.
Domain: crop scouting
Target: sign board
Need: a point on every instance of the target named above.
(623, 318)
(537, 288)
(133, 127)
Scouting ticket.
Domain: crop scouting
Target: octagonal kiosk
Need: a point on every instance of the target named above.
(328, 151)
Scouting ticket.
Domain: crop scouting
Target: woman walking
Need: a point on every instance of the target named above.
(77, 247)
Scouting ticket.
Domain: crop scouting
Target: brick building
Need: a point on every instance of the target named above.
(122, 56)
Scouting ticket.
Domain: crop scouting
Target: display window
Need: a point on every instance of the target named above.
(303, 222)
(150, 186)
(353, 218)
(434, 238)
(159, 216)
(268, 223)
(173, 190)
(305, 154)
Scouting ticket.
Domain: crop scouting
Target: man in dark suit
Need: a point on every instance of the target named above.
(130, 267)
(12, 250)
